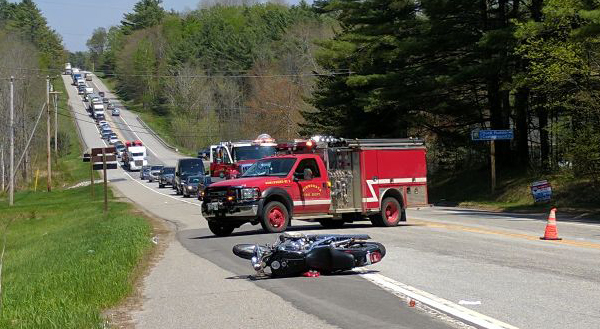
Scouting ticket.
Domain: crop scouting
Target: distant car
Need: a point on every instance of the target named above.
(145, 172)
(113, 138)
(202, 187)
(110, 105)
(101, 93)
(88, 77)
(120, 148)
(102, 123)
(166, 176)
(104, 100)
(116, 112)
(106, 134)
(154, 172)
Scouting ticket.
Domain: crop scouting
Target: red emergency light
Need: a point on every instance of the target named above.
(297, 147)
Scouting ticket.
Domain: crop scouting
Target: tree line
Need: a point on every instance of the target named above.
(29, 51)
(227, 70)
(437, 69)
(441, 68)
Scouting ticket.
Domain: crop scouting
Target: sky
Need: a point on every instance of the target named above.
(75, 20)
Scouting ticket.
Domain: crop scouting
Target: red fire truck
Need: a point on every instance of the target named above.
(230, 158)
(333, 183)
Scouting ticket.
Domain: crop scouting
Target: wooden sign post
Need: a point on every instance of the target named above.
(102, 158)
(492, 136)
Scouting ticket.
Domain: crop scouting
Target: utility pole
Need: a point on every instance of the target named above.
(48, 156)
(2, 164)
(12, 142)
(55, 125)
(55, 94)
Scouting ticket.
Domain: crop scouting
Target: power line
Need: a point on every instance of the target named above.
(205, 76)
(136, 131)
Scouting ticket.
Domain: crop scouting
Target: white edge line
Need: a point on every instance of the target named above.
(155, 191)
(441, 305)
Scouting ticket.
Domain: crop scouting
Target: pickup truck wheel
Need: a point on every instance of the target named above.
(331, 223)
(220, 229)
(275, 217)
(390, 214)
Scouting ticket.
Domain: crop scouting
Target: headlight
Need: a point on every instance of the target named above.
(190, 187)
(250, 193)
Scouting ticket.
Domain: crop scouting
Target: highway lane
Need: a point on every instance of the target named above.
(491, 258)
(181, 283)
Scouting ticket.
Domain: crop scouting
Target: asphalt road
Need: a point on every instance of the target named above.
(490, 263)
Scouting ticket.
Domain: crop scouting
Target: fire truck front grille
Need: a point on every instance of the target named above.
(218, 194)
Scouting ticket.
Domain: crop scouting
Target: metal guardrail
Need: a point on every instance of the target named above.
(167, 145)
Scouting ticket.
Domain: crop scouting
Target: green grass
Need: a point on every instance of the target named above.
(471, 188)
(66, 261)
(69, 169)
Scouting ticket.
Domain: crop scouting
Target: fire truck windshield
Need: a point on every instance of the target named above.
(270, 167)
(252, 152)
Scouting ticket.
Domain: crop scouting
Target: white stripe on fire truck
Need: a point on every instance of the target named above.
(370, 184)
(312, 202)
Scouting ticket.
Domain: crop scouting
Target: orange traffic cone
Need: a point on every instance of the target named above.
(551, 231)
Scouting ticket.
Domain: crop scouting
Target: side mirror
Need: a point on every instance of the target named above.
(298, 176)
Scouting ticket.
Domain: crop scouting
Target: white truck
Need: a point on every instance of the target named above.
(98, 112)
(68, 69)
(135, 157)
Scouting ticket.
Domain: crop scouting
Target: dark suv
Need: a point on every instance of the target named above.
(185, 168)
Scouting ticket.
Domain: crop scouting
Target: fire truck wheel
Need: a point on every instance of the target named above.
(330, 223)
(220, 229)
(390, 213)
(275, 217)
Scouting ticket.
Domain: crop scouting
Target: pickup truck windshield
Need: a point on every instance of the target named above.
(253, 152)
(270, 167)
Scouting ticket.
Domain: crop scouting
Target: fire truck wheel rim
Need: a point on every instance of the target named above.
(391, 212)
(276, 217)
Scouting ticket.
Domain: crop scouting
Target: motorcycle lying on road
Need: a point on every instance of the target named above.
(297, 253)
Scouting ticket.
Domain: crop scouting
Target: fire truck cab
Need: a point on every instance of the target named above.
(333, 183)
(227, 159)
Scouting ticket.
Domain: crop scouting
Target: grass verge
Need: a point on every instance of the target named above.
(69, 169)
(66, 261)
(471, 188)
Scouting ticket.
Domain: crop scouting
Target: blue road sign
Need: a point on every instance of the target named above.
(488, 135)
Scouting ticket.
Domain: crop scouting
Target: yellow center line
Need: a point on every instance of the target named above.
(456, 227)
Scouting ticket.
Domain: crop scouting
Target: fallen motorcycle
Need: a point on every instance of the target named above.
(296, 253)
